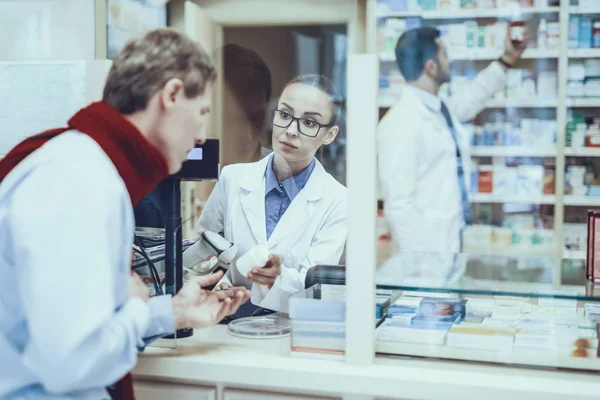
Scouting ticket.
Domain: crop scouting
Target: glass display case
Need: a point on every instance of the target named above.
(497, 309)
(490, 309)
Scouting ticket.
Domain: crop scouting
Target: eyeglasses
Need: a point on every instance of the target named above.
(308, 127)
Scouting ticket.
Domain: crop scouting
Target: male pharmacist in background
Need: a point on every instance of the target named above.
(423, 152)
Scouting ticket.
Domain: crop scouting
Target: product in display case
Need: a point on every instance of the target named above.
(501, 319)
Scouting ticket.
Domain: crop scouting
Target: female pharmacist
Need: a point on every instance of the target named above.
(286, 201)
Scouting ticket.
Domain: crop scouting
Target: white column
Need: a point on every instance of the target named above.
(363, 74)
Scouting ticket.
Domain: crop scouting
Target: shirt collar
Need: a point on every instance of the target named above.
(291, 186)
(431, 101)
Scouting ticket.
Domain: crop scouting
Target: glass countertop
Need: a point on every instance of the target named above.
(475, 274)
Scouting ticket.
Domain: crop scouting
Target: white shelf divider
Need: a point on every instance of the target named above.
(584, 53)
(522, 103)
(492, 198)
(468, 14)
(504, 103)
(577, 10)
(582, 201)
(481, 54)
(513, 151)
(583, 102)
(582, 151)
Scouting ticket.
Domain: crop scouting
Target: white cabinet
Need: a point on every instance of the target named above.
(161, 391)
(256, 395)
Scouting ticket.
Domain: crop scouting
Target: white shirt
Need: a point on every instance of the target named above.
(67, 327)
(418, 166)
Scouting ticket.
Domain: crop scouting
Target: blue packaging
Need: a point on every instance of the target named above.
(384, 81)
(401, 310)
(414, 22)
(397, 5)
(574, 32)
(585, 33)
(448, 310)
(474, 181)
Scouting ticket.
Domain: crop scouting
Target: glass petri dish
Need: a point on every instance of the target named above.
(261, 327)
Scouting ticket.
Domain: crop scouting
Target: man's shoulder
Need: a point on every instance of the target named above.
(73, 160)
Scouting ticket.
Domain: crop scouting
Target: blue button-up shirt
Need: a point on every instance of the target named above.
(279, 196)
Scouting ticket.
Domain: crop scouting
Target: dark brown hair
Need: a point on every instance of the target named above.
(250, 80)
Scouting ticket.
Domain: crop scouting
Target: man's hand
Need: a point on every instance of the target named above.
(513, 53)
(222, 286)
(137, 287)
(195, 307)
(267, 274)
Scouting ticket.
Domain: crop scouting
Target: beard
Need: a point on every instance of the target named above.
(442, 76)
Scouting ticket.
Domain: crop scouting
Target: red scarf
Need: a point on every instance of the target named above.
(140, 165)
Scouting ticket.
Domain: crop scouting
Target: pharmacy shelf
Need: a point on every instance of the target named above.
(492, 198)
(582, 151)
(468, 14)
(584, 53)
(513, 151)
(577, 10)
(574, 255)
(481, 54)
(582, 201)
(584, 102)
(506, 251)
(522, 103)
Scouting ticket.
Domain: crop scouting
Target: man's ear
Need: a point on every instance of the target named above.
(169, 93)
(431, 68)
(331, 134)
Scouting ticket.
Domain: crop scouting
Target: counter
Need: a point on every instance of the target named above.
(215, 365)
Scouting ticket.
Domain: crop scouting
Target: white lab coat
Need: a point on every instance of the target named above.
(312, 231)
(418, 166)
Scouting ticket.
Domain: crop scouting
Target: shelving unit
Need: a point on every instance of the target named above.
(583, 102)
(584, 53)
(467, 14)
(576, 10)
(513, 151)
(560, 59)
(582, 201)
(582, 152)
(492, 198)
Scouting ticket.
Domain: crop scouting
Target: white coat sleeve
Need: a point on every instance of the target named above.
(68, 233)
(471, 101)
(212, 218)
(398, 153)
(326, 249)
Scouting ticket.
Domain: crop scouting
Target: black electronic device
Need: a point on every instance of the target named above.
(325, 274)
(202, 165)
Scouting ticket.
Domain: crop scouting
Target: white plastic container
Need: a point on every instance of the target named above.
(256, 257)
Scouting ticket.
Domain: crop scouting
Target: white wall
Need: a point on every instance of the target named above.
(46, 30)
